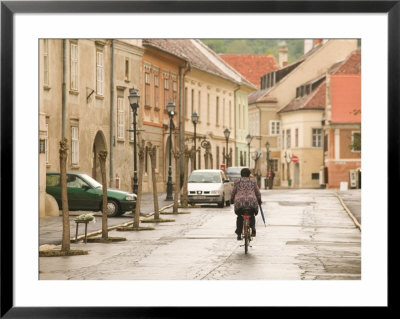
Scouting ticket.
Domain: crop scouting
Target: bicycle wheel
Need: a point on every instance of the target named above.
(246, 235)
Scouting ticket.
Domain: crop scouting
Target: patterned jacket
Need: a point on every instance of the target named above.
(245, 193)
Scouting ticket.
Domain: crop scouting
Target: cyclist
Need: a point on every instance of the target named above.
(245, 194)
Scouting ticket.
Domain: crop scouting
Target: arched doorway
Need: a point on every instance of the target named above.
(99, 144)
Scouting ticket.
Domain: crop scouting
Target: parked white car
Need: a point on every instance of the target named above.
(209, 186)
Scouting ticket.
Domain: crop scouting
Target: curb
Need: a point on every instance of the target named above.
(120, 225)
(348, 211)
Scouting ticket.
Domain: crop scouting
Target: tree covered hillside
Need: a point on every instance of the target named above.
(256, 46)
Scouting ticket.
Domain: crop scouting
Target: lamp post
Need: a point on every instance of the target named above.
(171, 112)
(268, 168)
(195, 119)
(134, 99)
(227, 133)
(249, 138)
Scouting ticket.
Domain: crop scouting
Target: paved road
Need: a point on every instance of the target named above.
(308, 236)
(51, 226)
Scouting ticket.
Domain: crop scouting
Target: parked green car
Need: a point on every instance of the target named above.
(85, 193)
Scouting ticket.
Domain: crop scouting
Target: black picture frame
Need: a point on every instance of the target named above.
(9, 8)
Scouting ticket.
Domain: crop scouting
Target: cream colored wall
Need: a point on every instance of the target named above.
(332, 51)
(91, 112)
(214, 86)
(123, 149)
(310, 158)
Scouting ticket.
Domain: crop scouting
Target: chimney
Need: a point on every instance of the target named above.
(308, 45)
(283, 54)
(317, 42)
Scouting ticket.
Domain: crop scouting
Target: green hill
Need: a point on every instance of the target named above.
(256, 46)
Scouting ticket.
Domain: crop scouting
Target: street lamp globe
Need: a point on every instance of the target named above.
(134, 98)
(195, 118)
(171, 108)
(249, 138)
(267, 145)
(227, 133)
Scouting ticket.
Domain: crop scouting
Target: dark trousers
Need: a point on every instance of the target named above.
(239, 223)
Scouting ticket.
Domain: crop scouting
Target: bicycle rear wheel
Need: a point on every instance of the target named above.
(246, 235)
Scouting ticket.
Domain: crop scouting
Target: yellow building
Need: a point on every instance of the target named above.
(279, 89)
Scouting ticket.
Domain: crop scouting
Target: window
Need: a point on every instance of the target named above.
(230, 114)
(326, 143)
(224, 113)
(74, 145)
(208, 108)
(296, 137)
(199, 103)
(316, 137)
(131, 124)
(186, 103)
(217, 112)
(283, 139)
(147, 89)
(46, 144)
(217, 158)
(175, 91)
(126, 69)
(166, 91)
(75, 182)
(120, 118)
(314, 175)
(192, 104)
(45, 62)
(274, 165)
(99, 73)
(74, 67)
(156, 91)
(356, 142)
(288, 145)
(275, 127)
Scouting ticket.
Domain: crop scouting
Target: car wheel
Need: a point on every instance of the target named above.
(221, 203)
(112, 208)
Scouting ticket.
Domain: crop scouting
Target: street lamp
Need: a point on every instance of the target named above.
(195, 119)
(268, 168)
(249, 138)
(226, 133)
(134, 99)
(171, 112)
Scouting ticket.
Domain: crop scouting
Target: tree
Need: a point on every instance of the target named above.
(102, 159)
(65, 245)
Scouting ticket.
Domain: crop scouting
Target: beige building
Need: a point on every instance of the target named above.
(213, 90)
(84, 85)
(279, 89)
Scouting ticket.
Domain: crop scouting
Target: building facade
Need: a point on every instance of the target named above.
(279, 90)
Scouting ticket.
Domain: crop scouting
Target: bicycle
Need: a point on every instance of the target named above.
(246, 232)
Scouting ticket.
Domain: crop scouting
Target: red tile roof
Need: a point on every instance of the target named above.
(251, 66)
(316, 100)
(351, 65)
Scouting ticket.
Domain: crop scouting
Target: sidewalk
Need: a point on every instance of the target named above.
(50, 227)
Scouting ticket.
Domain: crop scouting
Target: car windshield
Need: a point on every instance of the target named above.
(205, 177)
(233, 170)
(92, 181)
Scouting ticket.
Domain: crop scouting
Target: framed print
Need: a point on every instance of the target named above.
(25, 23)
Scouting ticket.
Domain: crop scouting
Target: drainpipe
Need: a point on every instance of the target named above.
(112, 116)
(64, 93)
(187, 68)
(234, 120)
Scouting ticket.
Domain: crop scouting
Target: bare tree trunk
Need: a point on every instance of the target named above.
(102, 159)
(153, 153)
(177, 156)
(136, 219)
(187, 154)
(65, 245)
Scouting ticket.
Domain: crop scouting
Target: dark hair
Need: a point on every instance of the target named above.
(245, 172)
